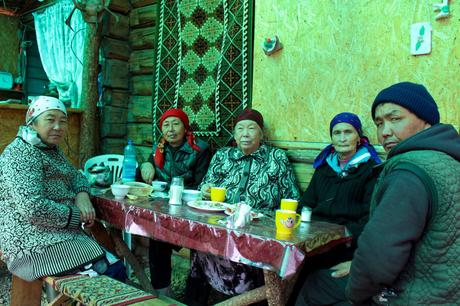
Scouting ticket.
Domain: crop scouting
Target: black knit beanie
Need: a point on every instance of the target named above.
(414, 97)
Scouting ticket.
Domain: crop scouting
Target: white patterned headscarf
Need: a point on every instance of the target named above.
(41, 105)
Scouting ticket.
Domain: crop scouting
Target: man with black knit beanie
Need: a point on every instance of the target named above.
(409, 251)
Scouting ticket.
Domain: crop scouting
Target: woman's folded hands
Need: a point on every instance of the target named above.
(87, 212)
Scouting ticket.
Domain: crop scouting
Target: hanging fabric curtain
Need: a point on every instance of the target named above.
(61, 49)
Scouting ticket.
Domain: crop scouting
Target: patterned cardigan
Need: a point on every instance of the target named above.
(37, 211)
(260, 179)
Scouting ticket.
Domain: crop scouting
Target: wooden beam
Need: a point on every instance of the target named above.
(7, 12)
(89, 94)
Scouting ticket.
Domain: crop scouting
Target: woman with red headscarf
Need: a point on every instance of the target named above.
(178, 153)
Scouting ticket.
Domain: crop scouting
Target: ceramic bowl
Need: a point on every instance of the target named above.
(190, 195)
(119, 190)
(139, 189)
(159, 185)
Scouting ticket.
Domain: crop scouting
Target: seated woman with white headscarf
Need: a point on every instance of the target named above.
(44, 201)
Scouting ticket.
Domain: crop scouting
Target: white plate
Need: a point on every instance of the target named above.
(207, 205)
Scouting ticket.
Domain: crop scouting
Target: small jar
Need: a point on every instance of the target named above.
(305, 214)
(175, 191)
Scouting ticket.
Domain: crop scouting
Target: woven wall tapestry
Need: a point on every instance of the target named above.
(204, 64)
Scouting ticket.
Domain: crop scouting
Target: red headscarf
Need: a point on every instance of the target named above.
(174, 112)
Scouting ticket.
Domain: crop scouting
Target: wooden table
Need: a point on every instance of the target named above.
(255, 244)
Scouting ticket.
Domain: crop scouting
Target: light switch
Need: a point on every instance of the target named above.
(420, 38)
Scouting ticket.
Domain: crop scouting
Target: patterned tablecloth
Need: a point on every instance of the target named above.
(255, 244)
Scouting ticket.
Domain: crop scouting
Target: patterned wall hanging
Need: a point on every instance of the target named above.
(204, 64)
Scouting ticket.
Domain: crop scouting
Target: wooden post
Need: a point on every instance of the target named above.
(89, 96)
(24, 293)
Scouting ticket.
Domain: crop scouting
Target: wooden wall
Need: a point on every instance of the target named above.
(338, 54)
(115, 78)
(128, 51)
(142, 42)
(9, 44)
(13, 115)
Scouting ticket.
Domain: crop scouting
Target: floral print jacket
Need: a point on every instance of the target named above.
(260, 179)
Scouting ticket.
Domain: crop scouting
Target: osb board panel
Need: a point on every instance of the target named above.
(9, 46)
(338, 54)
(12, 117)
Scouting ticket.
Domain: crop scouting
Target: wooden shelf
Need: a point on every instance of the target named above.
(6, 94)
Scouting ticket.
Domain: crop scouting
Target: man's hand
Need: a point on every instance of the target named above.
(341, 270)
(147, 172)
(206, 191)
(87, 212)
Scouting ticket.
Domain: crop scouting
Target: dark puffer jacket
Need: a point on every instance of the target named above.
(184, 162)
(341, 200)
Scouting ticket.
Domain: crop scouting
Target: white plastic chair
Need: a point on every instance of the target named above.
(113, 161)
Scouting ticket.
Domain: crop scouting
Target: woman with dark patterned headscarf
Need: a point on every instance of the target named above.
(251, 172)
(341, 188)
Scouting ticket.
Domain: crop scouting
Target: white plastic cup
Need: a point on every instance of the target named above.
(305, 215)
(175, 191)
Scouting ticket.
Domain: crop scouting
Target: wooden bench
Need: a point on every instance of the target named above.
(102, 290)
(99, 290)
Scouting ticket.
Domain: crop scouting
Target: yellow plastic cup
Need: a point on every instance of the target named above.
(286, 221)
(289, 204)
(218, 194)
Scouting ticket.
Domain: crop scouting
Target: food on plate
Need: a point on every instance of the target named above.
(207, 205)
(230, 210)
